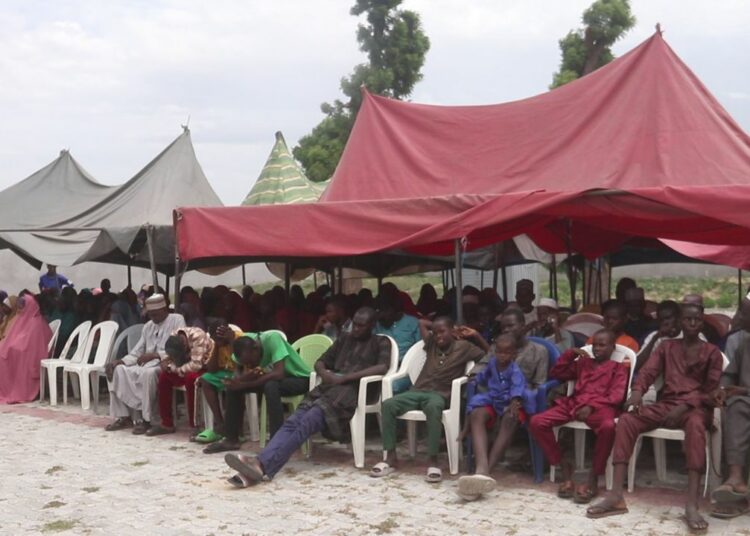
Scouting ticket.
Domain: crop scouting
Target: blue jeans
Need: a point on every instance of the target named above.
(302, 424)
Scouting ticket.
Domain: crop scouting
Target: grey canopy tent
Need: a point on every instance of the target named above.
(116, 228)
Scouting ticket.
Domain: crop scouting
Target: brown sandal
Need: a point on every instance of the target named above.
(584, 494)
(605, 508)
(566, 490)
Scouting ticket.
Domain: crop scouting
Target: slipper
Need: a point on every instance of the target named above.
(434, 475)
(725, 493)
(206, 436)
(381, 469)
(119, 424)
(221, 446)
(605, 509)
(584, 494)
(566, 489)
(141, 427)
(158, 429)
(467, 498)
(730, 512)
(239, 481)
(476, 484)
(244, 466)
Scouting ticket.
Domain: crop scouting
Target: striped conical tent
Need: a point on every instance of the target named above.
(282, 181)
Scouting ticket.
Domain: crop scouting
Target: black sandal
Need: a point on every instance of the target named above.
(119, 424)
(221, 446)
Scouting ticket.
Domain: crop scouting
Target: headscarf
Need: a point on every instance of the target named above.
(10, 318)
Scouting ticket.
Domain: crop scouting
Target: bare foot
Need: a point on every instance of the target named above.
(695, 522)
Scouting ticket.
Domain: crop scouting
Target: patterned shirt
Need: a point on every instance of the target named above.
(201, 347)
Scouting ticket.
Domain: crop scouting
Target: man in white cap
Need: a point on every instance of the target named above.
(134, 378)
(548, 325)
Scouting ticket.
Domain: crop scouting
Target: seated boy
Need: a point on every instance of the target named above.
(505, 384)
(446, 360)
(601, 387)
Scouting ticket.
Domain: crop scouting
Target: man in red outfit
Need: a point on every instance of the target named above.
(691, 369)
(188, 351)
(601, 387)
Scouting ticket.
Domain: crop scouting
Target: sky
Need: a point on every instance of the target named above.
(114, 81)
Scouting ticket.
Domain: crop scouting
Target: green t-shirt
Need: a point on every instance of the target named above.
(275, 348)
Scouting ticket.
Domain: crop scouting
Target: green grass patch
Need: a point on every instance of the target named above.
(59, 526)
(54, 504)
(139, 464)
(54, 469)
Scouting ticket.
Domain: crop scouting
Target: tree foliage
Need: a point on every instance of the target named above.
(586, 49)
(396, 47)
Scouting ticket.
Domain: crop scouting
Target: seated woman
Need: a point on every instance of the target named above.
(21, 351)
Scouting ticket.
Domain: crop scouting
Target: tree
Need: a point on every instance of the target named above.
(586, 49)
(396, 47)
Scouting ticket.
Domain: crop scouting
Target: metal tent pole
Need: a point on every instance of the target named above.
(287, 277)
(739, 287)
(151, 258)
(130, 277)
(505, 282)
(459, 283)
(244, 276)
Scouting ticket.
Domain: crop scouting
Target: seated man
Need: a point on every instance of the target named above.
(732, 496)
(525, 300)
(600, 390)
(284, 373)
(614, 320)
(548, 325)
(329, 407)
(188, 350)
(219, 367)
(638, 323)
(134, 377)
(668, 321)
(691, 369)
(392, 321)
(446, 360)
(335, 320)
(504, 383)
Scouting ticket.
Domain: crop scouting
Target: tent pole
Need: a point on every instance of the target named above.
(481, 280)
(494, 266)
(244, 276)
(130, 277)
(152, 260)
(177, 282)
(287, 277)
(572, 276)
(315, 280)
(505, 281)
(609, 276)
(341, 275)
(739, 287)
(459, 284)
(166, 287)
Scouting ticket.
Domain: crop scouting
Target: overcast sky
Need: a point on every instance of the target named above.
(113, 81)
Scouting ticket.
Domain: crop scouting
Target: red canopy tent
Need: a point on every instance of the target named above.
(639, 147)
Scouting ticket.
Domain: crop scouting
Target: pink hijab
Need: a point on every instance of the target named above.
(23, 347)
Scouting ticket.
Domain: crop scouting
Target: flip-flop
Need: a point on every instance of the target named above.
(243, 465)
(476, 484)
(732, 511)
(725, 493)
(598, 511)
(434, 475)
(584, 494)
(158, 429)
(221, 446)
(207, 436)
(381, 469)
(119, 424)
(566, 490)
(239, 481)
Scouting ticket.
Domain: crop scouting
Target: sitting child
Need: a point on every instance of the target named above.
(601, 386)
(505, 384)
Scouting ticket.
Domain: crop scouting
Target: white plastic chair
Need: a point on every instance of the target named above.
(129, 336)
(619, 355)
(659, 435)
(411, 366)
(107, 331)
(78, 336)
(583, 318)
(55, 327)
(357, 422)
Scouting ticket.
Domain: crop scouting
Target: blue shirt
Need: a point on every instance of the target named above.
(404, 331)
(56, 282)
(502, 386)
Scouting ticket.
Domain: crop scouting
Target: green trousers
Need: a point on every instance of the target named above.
(430, 402)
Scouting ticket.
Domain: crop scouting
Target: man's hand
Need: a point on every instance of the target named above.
(584, 413)
(110, 368)
(465, 332)
(165, 365)
(147, 358)
(635, 400)
(514, 408)
(672, 419)
(224, 334)
(721, 395)
(580, 352)
(331, 378)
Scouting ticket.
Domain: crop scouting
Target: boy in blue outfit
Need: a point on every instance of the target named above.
(505, 384)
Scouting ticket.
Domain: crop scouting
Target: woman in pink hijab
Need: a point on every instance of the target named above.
(23, 347)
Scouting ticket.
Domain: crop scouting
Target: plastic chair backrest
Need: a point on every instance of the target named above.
(311, 347)
(394, 354)
(584, 318)
(55, 327)
(619, 355)
(78, 336)
(129, 336)
(283, 335)
(107, 331)
(587, 329)
(414, 361)
(720, 322)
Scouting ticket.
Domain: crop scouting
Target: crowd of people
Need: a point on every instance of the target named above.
(229, 344)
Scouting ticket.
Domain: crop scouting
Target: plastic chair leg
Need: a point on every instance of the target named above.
(52, 381)
(553, 468)
(42, 375)
(85, 391)
(76, 389)
(357, 428)
(660, 458)
(609, 473)
(411, 430)
(580, 446)
(452, 446)
(65, 388)
(631, 464)
(94, 381)
(263, 428)
(251, 409)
